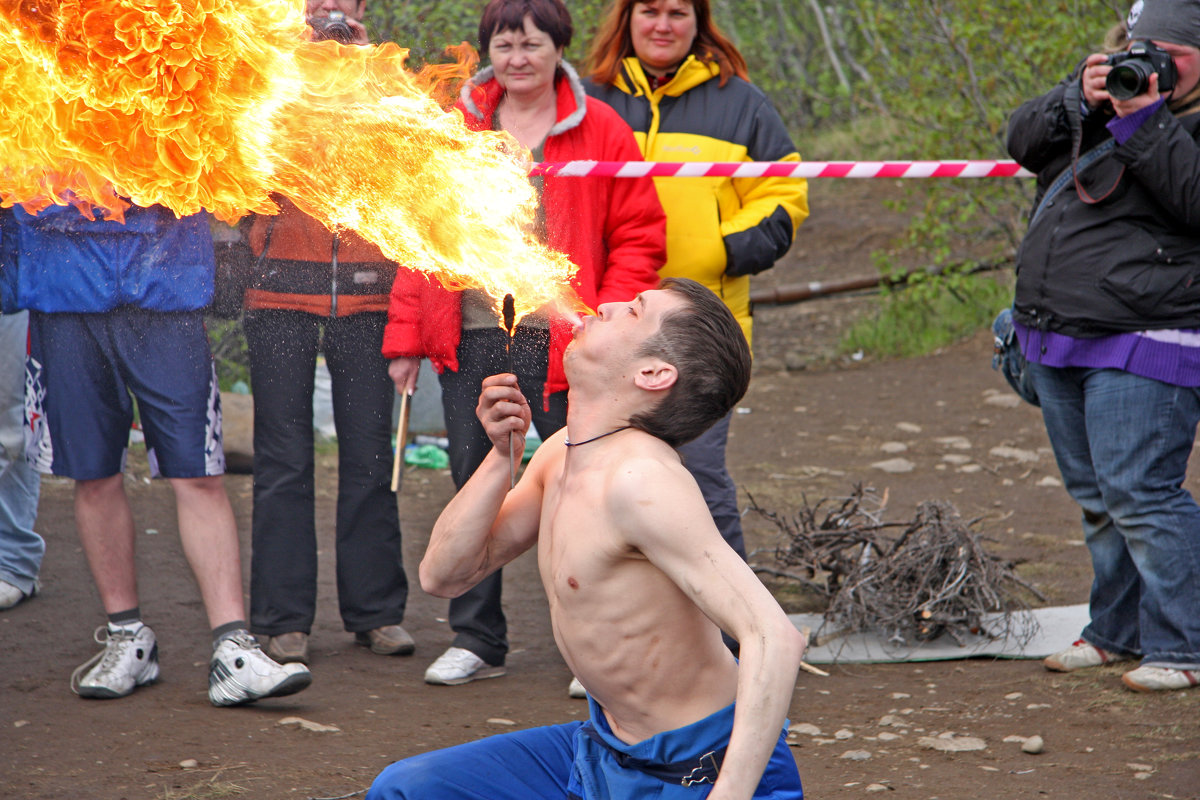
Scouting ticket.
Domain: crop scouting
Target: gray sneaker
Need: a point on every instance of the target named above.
(240, 672)
(129, 660)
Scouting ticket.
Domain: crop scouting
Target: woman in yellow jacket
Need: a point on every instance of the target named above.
(683, 88)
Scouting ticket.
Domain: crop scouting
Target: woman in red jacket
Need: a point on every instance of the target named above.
(612, 229)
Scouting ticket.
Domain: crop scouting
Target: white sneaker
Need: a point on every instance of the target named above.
(1080, 655)
(1161, 679)
(240, 672)
(457, 666)
(129, 660)
(576, 689)
(9, 595)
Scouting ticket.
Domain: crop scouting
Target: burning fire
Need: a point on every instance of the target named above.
(217, 104)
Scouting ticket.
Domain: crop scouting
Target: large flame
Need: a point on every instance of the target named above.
(216, 104)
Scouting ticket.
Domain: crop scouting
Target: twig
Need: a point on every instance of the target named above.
(341, 796)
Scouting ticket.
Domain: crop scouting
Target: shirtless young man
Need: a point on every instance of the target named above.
(639, 581)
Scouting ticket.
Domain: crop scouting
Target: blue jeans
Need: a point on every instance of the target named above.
(1122, 444)
(21, 549)
(562, 762)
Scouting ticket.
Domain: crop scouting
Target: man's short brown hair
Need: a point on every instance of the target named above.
(706, 346)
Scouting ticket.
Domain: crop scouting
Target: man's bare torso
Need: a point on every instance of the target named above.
(642, 648)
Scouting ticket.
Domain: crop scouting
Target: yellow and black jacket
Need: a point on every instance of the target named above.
(719, 230)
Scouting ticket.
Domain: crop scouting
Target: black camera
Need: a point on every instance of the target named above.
(1131, 71)
(331, 28)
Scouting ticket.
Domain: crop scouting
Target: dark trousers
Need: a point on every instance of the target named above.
(704, 457)
(372, 587)
(476, 616)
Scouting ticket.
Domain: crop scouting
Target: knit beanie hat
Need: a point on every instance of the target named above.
(1174, 21)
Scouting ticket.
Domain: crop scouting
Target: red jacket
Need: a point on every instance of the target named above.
(613, 229)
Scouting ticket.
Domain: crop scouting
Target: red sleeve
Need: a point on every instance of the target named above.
(635, 227)
(402, 335)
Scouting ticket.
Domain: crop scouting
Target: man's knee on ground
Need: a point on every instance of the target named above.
(413, 777)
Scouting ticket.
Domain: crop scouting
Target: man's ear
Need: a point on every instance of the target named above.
(655, 375)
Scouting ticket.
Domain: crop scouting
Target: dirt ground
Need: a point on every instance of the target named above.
(813, 430)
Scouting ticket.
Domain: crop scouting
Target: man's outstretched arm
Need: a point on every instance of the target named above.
(667, 519)
(486, 525)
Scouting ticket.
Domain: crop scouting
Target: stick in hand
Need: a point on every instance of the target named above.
(401, 438)
(510, 315)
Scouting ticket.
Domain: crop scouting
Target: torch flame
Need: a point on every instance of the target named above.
(217, 104)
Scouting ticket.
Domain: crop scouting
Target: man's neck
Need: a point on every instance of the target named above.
(588, 418)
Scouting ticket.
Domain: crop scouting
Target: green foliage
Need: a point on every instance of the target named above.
(228, 344)
(928, 314)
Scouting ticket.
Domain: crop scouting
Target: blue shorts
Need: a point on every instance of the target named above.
(80, 373)
(568, 762)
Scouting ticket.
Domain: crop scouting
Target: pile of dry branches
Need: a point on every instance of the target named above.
(932, 578)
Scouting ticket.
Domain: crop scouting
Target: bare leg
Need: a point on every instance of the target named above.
(210, 542)
(105, 524)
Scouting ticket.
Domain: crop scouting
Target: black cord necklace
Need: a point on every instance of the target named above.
(569, 443)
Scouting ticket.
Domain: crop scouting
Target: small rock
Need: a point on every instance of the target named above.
(1049, 480)
(954, 442)
(888, 737)
(1141, 776)
(844, 733)
(892, 448)
(900, 695)
(876, 787)
(1140, 767)
(1014, 739)
(806, 728)
(189, 763)
(950, 743)
(1013, 454)
(1003, 400)
(1035, 706)
(21, 723)
(1033, 745)
(958, 459)
(892, 721)
(1014, 695)
(501, 721)
(970, 469)
(309, 725)
(856, 755)
(908, 427)
(895, 465)
(796, 360)
(986, 768)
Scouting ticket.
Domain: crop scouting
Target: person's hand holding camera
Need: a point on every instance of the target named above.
(1093, 79)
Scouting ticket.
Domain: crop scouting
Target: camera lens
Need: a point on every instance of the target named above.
(333, 27)
(1128, 79)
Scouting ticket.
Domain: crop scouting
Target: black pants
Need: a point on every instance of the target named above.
(372, 587)
(476, 617)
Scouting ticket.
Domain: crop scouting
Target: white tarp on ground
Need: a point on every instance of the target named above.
(1033, 634)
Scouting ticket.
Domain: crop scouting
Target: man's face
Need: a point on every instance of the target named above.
(618, 331)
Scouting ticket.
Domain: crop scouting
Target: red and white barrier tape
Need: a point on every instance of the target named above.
(783, 169)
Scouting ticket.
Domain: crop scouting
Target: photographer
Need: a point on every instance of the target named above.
(339, 20)
(316, 291)
(1107, 312)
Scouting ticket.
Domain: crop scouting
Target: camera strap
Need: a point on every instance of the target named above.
(1073, 101)
(1069, 174)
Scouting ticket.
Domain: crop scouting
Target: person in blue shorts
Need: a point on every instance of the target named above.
(116, 315)
(640, 583)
